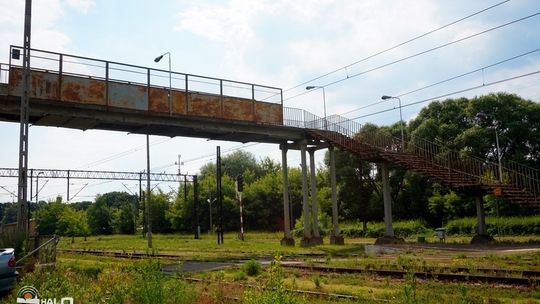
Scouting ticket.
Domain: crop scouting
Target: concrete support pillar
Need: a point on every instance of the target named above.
(306, 239)
(482, 236)
(316, 238)
(287, 237)
(480, 216)
(389, 229)
(335, 237)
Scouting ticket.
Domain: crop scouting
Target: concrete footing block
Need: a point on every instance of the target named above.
(316, 240)
(389, 240)
(306, 242)
(482, 239)
(337, 240)
(287, 241)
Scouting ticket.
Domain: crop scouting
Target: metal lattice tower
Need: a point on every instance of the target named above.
(22, 199)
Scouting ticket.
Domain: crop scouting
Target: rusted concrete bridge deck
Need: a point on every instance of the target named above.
(84, 93)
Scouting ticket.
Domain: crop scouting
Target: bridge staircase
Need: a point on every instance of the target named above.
(462, 173)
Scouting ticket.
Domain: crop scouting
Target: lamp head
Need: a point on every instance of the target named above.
(385, 97)
(158, 58)
(310, 87)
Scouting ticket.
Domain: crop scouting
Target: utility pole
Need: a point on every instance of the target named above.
(67, 186)
(196, 207)
(148, 190)
(22, 195)
(31, 184)
(239, 190)
(219, 195)
(37, 187)
(179, 163)
(185, 189)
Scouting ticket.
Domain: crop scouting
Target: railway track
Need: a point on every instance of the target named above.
(459, 274)
(528, 277)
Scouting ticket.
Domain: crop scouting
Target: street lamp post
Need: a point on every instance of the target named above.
(498, 154)
(324, 102)
(157, 59)
(482, 115)
(386, 97)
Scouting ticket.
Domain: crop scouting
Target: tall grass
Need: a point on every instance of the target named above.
(270, 289)
(141, 283)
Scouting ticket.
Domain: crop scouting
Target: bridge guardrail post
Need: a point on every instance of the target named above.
(187, 95)
(60, 72)
(148, 93)
(221, 98)
(107, 83)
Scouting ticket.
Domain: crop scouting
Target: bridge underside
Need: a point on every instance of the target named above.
(83, 117)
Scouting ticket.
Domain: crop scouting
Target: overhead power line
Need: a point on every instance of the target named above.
(242, 146)
(452, 93)
(398, 45)
(445, 80)
(417, 54)
(121, 154)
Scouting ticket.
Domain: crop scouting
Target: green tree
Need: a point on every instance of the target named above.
(124, 219)
(468, 126)
(117, 199)
(233, 164)
(100, 218)
(9, 213)
(72, 223)
(159, 208)
(47, 217)
(263, 201)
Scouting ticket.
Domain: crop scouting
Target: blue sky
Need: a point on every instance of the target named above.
(278, 43)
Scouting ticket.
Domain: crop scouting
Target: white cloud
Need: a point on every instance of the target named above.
(45, 35)
(81, 5)
(231, 23)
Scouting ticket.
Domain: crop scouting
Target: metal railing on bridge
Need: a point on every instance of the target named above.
(73, 65)
(483, 171)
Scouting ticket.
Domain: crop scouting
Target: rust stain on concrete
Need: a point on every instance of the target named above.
(133, 96)
(204, 105)
(71, 92)
(159, 101)
(238, 108)
(270, 113)
(83, 90)
(179, 102)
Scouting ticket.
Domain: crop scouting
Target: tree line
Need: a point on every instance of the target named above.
(468, 126)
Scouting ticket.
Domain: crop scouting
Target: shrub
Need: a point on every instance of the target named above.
(239, 276)
(270, 290)
(251, 268)
(529, 225)
(401, 229)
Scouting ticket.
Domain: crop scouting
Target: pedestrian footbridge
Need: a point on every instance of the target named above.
(84, 93)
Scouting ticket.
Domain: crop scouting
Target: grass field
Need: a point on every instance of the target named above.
(259, 244)
(93, 279)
